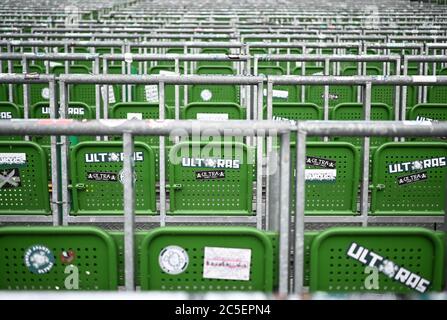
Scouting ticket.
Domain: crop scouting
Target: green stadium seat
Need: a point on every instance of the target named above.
(407, 257)
(96, 175)
(199, 252)
(23, 179)
(75, 110)
(78, 92)
(432, 112)
(43, 258)
(409, 179)
(283, 93)
(38, 92)
(213, 111)
(210, 178)
(149, 93)
(215, 63)
(332, 178)
(354, 111)
(214, 93)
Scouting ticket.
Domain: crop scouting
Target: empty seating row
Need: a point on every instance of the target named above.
(339, 259)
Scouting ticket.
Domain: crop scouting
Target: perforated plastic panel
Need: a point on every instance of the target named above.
(194, 190)
(8, 111)
(27, 193)
(437, 94)
(79, 92)
(214, 93)
(194, 240)
(330, 197)
(416, 249)
(423, 194)
(215, 63)
(104, 196)
(428, 112)
(354, 111)
(95, 256)
(337, 95)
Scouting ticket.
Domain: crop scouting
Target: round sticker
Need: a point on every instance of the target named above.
(206, 95)
(173, 259)
(39, 259)
(121, 176)
(46, 93)
(67, 256)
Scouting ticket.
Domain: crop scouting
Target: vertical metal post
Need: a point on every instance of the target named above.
(10, 70)
(284, 222)
(26, 93)
(177, 92)
(98, 94)
(64, 156)
(162, 160)
(259, 158)
(366, 153)
(105, 95)
(270, 215)
(54, 159)
(129, 212)
(300, 185)
(326, 95)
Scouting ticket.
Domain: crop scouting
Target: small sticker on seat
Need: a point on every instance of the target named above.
(227, 263)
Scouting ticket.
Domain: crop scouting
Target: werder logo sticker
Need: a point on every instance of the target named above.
(421, 176)
(388, 268)
(417, 165)
(102, 176)
(111, 157)
(320, 162)
(9, 178)
(208, 175)
(211, 163)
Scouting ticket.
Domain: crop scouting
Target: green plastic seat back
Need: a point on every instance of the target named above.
(248, 248)
(214, 93)
(431, 112)
(92, 251)
(3, 92)
(86, 63)
(286, 111)
(354, 111)
(409, 179)
(75, 110)
(79, 92)
(8, 111)
(149, 93)
(417, 250)
(337, 95)
(437, 94)
(96, 173)
(139, 110)
(332, 180)
(220, 184)
(23, 179)
(215, 63)
(283, 64)
(284, 93)
(37, 91)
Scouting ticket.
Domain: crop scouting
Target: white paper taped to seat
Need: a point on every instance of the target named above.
(284, 94)
(227, 263)
(128, 57)
(111, 94)
(52, 64)
(151, 92)
(424, 79)
(212, 116)
(321, 174)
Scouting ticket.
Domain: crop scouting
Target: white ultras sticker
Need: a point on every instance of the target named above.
(173, 259)
(227, 263)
